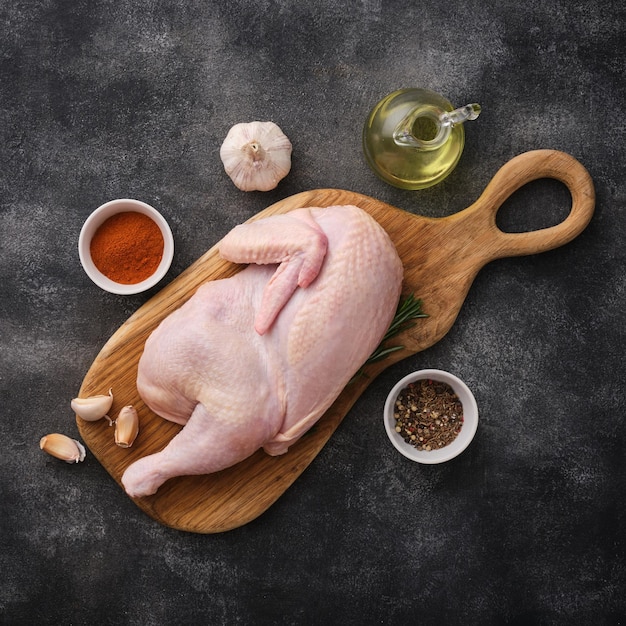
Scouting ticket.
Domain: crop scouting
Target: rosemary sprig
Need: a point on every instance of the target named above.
(408, 310)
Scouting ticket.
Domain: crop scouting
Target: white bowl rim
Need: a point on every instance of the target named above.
(463, 439)
(97, 217)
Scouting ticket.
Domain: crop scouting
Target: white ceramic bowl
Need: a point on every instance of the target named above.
(463, 439)
(93, 223)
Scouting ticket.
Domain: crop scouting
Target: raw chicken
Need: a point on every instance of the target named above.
(255, 360)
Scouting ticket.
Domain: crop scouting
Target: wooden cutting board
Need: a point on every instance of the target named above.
(441, 257)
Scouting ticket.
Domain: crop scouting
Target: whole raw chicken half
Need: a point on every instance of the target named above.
(253, 361)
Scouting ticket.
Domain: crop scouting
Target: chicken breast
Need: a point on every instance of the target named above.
(253, 361)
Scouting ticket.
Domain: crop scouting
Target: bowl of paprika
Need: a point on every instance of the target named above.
(431, 416)
(126, 246)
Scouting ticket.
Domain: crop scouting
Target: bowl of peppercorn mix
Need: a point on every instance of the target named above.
(126, 246)
(431, 416)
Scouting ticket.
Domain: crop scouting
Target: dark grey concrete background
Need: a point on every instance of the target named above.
(103, 99)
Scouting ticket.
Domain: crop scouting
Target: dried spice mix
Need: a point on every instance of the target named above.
(428, 414)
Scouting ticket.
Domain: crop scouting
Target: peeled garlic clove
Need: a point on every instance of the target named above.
(256, 155)
(63, 447)
(126, 427)
(93, 408)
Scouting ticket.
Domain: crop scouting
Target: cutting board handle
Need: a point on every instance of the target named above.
(529, 166)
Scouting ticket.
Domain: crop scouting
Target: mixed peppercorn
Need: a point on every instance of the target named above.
(428, 414)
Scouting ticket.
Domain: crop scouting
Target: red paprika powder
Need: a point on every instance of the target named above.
(127, 247)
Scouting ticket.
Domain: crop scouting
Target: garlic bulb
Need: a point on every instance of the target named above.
(126, 427)
(93, 408)
(63, 447)
(256, 155)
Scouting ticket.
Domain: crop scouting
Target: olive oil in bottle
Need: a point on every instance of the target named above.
(413, 138)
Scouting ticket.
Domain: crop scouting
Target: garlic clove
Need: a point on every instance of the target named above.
(256, 155)
(63, 447)
(93, 408)
(126, 427)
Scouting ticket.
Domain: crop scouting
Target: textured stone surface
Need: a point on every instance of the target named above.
(104, 99)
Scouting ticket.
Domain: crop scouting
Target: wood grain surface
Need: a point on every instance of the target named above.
(441, 257)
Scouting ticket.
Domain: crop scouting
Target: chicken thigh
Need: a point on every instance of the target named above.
(253, 361)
